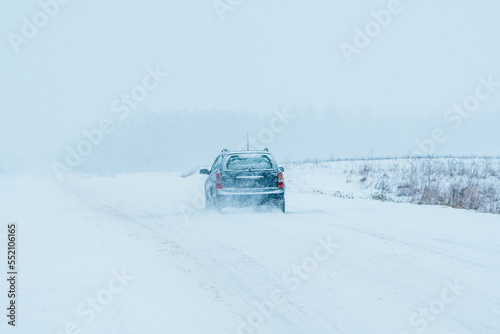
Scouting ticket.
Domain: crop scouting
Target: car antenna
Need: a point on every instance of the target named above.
(248, 145)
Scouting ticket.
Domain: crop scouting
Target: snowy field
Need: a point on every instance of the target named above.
(466, 183)
(137, 253)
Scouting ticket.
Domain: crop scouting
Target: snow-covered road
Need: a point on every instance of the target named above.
(137, 254)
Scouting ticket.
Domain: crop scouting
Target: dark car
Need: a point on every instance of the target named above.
(244, 178)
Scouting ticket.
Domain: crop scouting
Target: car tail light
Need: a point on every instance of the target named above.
(281, 183)
(218, 181)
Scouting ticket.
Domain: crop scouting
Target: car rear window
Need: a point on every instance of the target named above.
(246, 161)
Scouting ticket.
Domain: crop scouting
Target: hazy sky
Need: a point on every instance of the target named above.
(264, 54)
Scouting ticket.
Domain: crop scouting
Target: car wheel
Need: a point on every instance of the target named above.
(212, 203)
(280, 204)
(217, 205)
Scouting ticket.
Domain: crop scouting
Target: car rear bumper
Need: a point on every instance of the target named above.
(250, 191)
(249, 197)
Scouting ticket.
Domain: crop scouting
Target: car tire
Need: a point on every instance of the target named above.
(217, 206)
(280, 204)
(212, 204)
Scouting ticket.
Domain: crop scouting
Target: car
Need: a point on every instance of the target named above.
(244, 178)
